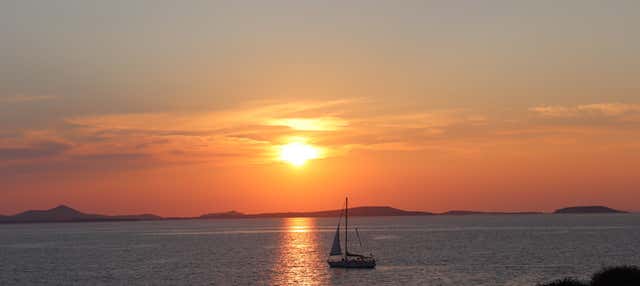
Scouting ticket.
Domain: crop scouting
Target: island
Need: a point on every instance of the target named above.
(587, 210)
(357, 211)
(465, 212)
(64, 213)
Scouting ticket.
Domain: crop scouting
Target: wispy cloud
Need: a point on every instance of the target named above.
(585, 110)
(33, 150)
(250, 134)
(310, 124)
(609, 109)
(554, 111)
(25, 98)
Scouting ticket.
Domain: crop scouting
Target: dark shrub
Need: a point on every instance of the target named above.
(617, 276)
(565, 282)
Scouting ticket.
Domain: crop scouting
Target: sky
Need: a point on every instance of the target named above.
(181, 108)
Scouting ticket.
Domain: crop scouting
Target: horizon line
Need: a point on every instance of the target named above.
(326, 210)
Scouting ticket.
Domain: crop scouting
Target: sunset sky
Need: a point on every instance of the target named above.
(183, 108)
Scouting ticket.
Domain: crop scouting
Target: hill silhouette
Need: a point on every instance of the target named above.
(64, 213)
(357, 211)
(586, 209)
(59, 213)
(229, 214)
(464, 212)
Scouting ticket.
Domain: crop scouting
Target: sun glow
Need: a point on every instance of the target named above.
(298, 153)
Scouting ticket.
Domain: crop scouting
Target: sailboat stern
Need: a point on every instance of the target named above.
(352, 262)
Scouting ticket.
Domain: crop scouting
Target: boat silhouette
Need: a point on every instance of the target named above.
(338, 258)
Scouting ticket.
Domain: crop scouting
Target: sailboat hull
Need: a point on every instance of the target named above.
(352, 263)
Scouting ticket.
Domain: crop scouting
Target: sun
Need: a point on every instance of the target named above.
(298, 153)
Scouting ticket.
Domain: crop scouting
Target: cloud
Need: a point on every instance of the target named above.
(73, 164)
(587, 110)
(25, 98)
(251, 133)
(33, 150)
(310, 124)
(554, 111)
(609, 109)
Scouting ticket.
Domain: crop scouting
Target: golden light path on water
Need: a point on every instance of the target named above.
(300, 254)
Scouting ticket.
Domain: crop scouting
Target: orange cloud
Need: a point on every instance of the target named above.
(310, 124)
(554, 111)
(250, 133)
(596, 109)
(609, 109)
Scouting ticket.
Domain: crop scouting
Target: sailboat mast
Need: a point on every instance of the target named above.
(346, 226)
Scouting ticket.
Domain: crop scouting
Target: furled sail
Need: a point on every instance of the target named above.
(335, 248)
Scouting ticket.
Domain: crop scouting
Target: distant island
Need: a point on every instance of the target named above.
(64, 213)
(462, 212)
(587, 210)
(357, 211)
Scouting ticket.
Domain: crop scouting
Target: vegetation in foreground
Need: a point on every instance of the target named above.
(609, 276)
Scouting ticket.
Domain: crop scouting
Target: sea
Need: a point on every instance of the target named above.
(414, 250)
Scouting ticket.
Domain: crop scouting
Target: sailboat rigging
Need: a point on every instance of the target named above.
(346, 259)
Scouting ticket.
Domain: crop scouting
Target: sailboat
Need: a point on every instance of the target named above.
(338, 258)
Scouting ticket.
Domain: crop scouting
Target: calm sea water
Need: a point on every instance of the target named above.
(438, 250)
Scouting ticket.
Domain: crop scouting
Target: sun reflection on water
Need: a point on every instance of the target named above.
(300, 259)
